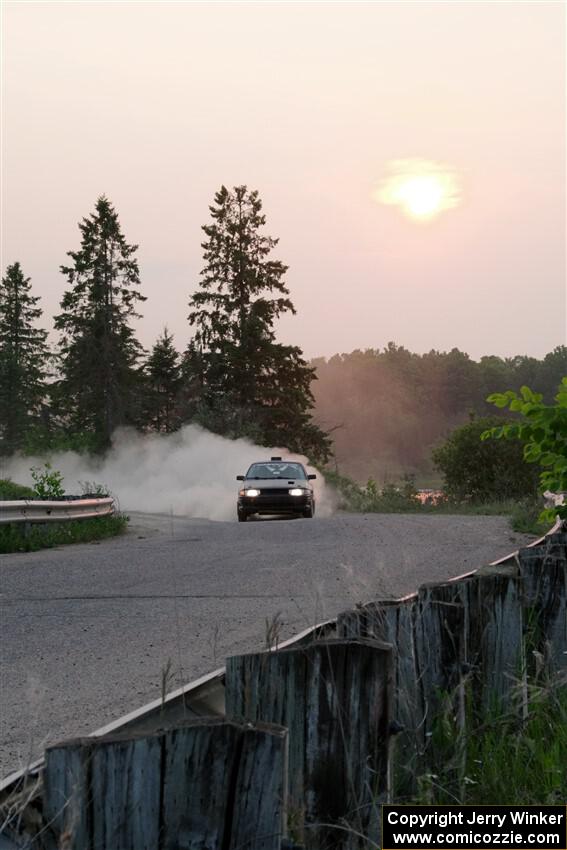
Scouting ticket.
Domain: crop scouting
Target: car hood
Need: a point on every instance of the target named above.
(273, 484)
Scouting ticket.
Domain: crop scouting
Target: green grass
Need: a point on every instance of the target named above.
(16, 537)
(10, 491)
(507, 760)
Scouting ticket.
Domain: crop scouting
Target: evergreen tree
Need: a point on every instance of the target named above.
(163, 375)
(99, 351)
(248, 383)
(23, 359)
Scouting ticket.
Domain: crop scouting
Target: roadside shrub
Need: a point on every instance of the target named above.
(48, 482)
(477, 470)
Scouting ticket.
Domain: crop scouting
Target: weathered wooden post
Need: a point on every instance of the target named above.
(543, 570)
(494, 656)
(334, 698)
(392, 621)
(204, 784)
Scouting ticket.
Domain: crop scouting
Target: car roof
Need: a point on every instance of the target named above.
(276, 463)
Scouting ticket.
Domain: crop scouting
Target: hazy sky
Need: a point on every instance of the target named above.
(158, 104)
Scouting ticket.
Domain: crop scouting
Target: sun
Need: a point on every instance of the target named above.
(420, 188)
(421, 196)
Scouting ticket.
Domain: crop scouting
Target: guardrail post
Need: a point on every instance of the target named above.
(208, 783)
(543, 570)
(333, 696)
(393, 622)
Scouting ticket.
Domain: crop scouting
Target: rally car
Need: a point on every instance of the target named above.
(275, 487)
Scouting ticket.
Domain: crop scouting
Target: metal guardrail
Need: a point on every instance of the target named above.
(32, 510)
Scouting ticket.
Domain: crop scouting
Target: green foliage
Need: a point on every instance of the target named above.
(163, 385)
(23, 359)
(526, 517)
(48, 482)
(247, 384)
(14, 537)
(478, 471)
(507, 760)
(9, 491)
(99, 353)
(543, 432)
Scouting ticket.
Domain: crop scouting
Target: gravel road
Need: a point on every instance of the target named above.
(87, 630)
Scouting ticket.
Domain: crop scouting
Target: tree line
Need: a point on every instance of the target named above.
(388, 410)
(233, 378)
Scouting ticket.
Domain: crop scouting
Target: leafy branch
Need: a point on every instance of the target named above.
(543, 430)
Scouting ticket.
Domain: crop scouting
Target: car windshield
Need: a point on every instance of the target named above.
(276, 470)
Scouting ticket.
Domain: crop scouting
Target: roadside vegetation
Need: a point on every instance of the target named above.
(506, 758)
(543, 431)
(404, 497)
(10, 491)
(29, 537)
(15, 537)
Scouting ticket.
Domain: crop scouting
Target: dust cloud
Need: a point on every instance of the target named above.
(188, 473)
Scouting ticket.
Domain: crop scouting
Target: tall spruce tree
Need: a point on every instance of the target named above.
(250, 385)
(163, 380)
(99, 352)
(23, 360)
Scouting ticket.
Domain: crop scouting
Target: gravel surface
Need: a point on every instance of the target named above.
(87, 630)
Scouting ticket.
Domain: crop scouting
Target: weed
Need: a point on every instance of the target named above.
(93, 489)
(48, 482)
(507, 759)
(167, 676)
(273, 631)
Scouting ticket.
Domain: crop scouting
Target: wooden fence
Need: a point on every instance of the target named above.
(318, 736)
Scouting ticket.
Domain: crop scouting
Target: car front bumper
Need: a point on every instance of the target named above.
(280, 503)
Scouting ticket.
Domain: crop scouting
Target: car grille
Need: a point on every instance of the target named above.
(275, 491)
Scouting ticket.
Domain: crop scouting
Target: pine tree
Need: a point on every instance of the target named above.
(163, 376)
(23, 360)
(250, 384)
(99, 351)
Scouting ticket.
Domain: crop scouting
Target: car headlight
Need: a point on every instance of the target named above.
(251, 492)
(297, 491)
